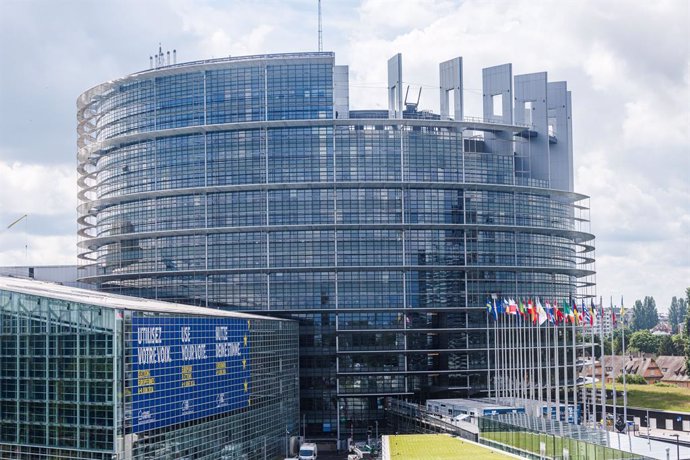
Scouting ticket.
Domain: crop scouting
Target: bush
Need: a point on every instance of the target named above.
(633, 379)
(661, 384)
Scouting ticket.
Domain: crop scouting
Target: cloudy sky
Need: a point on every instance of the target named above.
(626, 62)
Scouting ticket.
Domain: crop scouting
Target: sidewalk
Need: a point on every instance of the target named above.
(655, 447)
(684, 436)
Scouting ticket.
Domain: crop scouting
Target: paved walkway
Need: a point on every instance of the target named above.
(684, 436)
(650, 448)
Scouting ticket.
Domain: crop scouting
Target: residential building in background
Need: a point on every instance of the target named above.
(90, 375)
(654, 369)
(250, 184)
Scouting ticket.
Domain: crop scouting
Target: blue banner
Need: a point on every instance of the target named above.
(572, 416)
(186, 368)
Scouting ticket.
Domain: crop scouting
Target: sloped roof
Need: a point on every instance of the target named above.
(112, 301)
(676, 370)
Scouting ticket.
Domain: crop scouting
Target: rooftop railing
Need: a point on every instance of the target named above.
(253, 57)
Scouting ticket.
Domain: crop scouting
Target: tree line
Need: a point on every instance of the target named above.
(645, 317)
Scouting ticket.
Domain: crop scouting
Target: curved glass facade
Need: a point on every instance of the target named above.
(247, 184)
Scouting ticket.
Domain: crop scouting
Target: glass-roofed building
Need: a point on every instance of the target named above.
(88, 375)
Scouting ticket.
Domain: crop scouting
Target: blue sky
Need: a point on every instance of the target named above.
(625, 62)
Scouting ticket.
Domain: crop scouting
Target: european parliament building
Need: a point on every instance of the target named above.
(248, 184)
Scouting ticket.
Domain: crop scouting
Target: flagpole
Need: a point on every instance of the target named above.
(594, 376)
(537, 357)
(530, 355)
(521, 357)
(566, 387)
(573, 332)
(488, 356)
(496, 380)
(517, 361)
(499, 354)
(511, 345)
(603, 369)
(511, 352)
(549, 368)
(558, 377)
(613, 364)
(625, 386)
(504, 364)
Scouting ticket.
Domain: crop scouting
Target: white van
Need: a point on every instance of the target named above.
(307, 451)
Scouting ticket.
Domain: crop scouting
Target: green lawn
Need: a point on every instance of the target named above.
(654, 397)
(438, 447)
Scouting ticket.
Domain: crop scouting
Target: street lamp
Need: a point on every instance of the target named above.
(677, 446)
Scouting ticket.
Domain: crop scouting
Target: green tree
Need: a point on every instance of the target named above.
(645, 315)
(652, 314)
(597, 347)
(674, 317)
(638, 316)
(665, 347)
(682, 311)
(680, 343)
(615, 340)
(643, 341)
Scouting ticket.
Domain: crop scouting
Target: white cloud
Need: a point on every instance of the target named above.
(625, 62)
(47, 195)
(629, 76)
(18, 249)
(38, 189)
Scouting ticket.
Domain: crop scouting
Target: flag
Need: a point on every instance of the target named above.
(549, 312)
(622, 311)
(506, 307)
(560, 317)
(567, 312)
(512, 307)
(588, 315)
(541, 313)
(613, 318)
(575, 319)
(495, 311)
(532, 311)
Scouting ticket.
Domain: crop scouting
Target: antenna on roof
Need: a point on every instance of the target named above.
(320, 29)
(162, 58)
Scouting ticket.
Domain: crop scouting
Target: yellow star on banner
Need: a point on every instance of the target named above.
(249, 324)
(246, 386)
(249, 401)
(244, 364)
(245, 340)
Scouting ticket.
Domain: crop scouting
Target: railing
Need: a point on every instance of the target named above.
(545, 443)
(242, 59)
(427, 422)
(493, 121)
